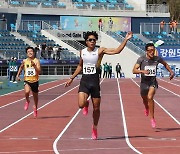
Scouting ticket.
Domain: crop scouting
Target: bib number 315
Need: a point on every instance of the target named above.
(151, 70)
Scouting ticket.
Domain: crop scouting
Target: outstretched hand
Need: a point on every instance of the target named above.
(171, 75)
(129, 35)
(18, 78)
(68, 82)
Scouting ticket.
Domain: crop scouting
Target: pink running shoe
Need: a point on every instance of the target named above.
(26, 106)
(35, 112)
(153, 123)
(146, 112)
(94, 133)
(85, 109)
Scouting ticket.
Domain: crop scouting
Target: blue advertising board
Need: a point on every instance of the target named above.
(47, 62)
(169, 53)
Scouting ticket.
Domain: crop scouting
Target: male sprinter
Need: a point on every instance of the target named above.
(32, 69)
(147, 66)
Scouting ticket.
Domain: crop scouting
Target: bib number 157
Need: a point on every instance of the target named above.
(89, 69)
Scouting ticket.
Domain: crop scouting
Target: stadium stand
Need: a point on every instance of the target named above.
(11, 46)
(28, 25)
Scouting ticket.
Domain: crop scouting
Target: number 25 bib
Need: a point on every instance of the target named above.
(30, 72)
(89, 69)
(151, 69)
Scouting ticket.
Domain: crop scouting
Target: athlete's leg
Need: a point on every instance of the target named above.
(150, 97)
(27, 91)
(96, 111)
(145, 102)
(35, 96)
(82, 102)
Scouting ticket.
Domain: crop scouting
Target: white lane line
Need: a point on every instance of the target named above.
(162, 108)
(66, 127)
(170, 91)
(124, 121)
(176, 79)
(23, 89)
(30, 96)
(169, 82)
(2, 130)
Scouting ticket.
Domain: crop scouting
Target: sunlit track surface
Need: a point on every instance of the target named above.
(111, 137)
(165, 138)
(130, 132)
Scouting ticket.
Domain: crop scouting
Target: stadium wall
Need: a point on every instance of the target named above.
(11, 18)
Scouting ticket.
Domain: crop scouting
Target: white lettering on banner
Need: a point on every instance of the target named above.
(163, 52)
(178, 52)
(151, 69)
(89, 68)
(68, 34)
(30, 72)
(171, 53)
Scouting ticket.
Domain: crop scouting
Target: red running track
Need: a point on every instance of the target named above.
(61, 127)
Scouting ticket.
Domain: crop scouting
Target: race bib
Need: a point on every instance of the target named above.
(151, 69)
(15, 68)
(89, 69)
(11, 68)
(30, 72)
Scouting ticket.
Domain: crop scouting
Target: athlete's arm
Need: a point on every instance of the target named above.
(78, 69)
(111, 51)
(136, 70)
(169, 69)
(156, 52)
(36, 66)
(76, 72)
(19, 71)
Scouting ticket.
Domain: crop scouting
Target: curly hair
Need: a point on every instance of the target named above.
(87, 34)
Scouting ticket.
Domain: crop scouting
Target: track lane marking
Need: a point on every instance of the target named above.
(169, 82)
(31, 95)
(124, 121)
(162, 107)
(2, 130)
(65, 128)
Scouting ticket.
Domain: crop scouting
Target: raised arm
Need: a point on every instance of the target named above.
(112, 51)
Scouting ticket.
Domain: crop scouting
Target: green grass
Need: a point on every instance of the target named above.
(8, 87)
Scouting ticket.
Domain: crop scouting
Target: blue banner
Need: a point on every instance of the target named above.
(46, 62)
(169, 53)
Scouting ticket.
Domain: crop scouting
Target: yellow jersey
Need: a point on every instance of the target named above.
(30, 74)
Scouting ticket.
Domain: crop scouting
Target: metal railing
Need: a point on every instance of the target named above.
(47, 70)
(37, 25)
(155, 27)
(69, 5)
(158, 8)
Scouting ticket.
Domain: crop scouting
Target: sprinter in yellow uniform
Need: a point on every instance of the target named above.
(32, 69)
